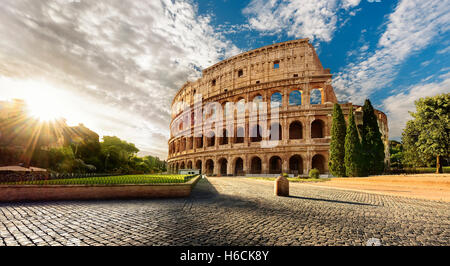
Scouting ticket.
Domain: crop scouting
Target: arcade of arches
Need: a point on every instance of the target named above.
(296, 164)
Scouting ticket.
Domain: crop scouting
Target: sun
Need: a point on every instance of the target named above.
(43, 111)
(44, 103)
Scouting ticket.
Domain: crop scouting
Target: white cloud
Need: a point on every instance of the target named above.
(398, 106)
(127, 57)
(410, 28)
(314, 19)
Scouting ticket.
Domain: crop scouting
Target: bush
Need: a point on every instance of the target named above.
(285, 175)
(314, 173)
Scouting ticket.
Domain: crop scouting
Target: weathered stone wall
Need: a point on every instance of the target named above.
(90, 192)
(275, 69)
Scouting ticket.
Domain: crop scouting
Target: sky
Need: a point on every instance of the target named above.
(115, 65)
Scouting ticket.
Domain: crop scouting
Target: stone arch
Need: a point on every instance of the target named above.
(317, 129)
(318, 162)
(182, 165)
(296, 130)
(256, 133)
(210, 139)
(296, 165)
(223, 164)
(177, 168)
(276, 132)
(240, 107)
(316, 96)
(275, 165)
(224, 139)
(189, 165)
(199, 142)
(209, 167)
(276, 100)
(198, 165)
(256, 165)
(183, 144)
(257, 98)
(240, 134)
(295, 97)
(238, 166)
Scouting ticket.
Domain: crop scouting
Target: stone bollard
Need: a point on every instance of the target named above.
(282, 186)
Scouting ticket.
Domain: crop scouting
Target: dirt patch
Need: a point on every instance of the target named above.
(423, 186)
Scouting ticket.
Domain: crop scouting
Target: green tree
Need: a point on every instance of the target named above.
(116, 154)
(396, 152)
(352, 148)
(428, 134)
(337, 145)
(371, 142)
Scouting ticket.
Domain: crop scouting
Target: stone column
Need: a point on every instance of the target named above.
(229, 166)
(245, 164)
(285, 165)
(264, 164)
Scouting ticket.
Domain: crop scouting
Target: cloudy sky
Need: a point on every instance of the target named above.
(114, 65)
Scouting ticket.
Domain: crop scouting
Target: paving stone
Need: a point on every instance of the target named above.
(231, 211)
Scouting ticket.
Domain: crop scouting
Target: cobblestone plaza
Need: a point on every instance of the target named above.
(231, 211)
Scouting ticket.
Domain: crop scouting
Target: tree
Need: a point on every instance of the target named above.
(428, 134)
(337, 145)
(396, 152)
(371, 142)
(116, 154)
(352, 148)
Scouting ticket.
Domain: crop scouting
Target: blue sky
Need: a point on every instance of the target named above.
(115, 65)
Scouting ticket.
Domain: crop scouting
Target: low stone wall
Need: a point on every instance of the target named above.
(94, 192)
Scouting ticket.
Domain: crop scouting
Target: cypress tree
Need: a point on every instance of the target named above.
(371, 142)
(337, 145)
(352, 148)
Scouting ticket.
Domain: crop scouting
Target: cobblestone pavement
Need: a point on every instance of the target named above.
(231, 211)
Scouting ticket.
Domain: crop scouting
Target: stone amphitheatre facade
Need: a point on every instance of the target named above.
(289, 80)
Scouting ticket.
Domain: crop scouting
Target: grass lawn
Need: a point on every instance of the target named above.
(110, 180)
(293, 179)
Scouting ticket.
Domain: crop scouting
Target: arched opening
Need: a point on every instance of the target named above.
(295, 98)
(176, 168)
(211, 139)
(316, 96)
(295, 130)
(296, 165)
(240, 134)
(256, 165)
(199, 141)
(209, 167)
(276, 100)
(317, 128)
(224, 138)
(198, 165)
(239, 167)
(257, 100)
(275, 131)
(182, 166)
(256, 134)
(191, 143)
(275, 165)
(223, 166)
(240, 108)
(183, 144)
(318, 162)
(189, 165)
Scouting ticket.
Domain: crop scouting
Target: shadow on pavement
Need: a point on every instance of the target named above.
(333, 201)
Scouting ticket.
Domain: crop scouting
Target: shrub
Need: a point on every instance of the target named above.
(314, 173)
(285, 175)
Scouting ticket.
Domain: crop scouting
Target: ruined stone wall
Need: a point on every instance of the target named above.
(283, 70)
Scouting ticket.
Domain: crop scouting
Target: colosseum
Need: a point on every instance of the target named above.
(278, 94)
